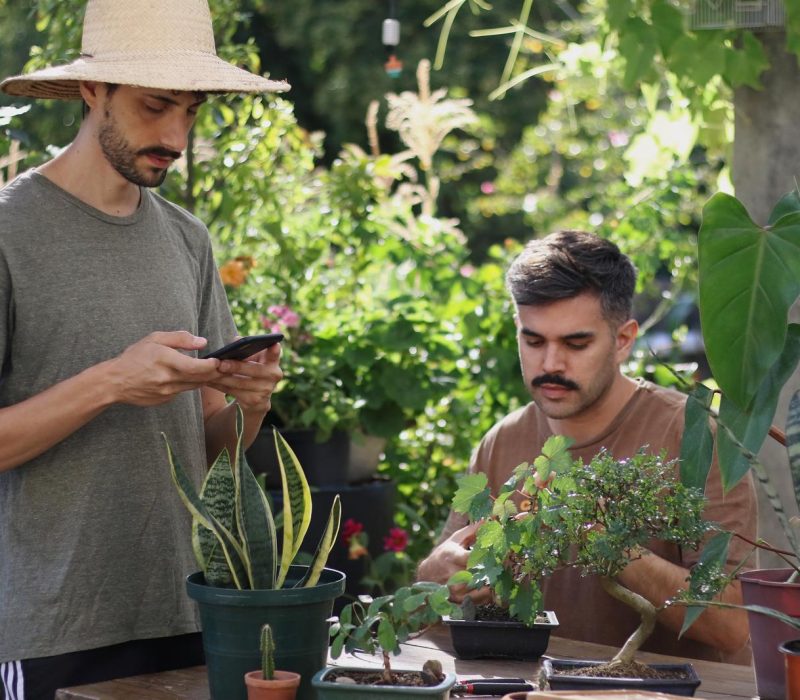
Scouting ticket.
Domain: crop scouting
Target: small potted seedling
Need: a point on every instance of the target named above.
(381, 625)
(555, 513)
(267, 683)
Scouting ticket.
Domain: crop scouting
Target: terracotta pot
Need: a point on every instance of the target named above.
(282, 687)
(768, 588)
(791, 658)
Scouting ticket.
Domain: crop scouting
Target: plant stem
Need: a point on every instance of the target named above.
(387, 668)
(647, 611)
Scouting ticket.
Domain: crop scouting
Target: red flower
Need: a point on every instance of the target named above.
(396, 540)
(350, 528)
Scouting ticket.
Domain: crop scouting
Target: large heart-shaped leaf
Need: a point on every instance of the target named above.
(749, 277)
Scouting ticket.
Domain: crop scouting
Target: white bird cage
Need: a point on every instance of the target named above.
(737, 14)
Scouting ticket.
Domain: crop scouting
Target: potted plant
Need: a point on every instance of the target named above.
(555, 513)
(268, 683)
(246, 581)
(749, 277)
(382, 624)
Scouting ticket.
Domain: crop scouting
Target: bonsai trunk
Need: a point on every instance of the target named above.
(387, 669)
(647, 611)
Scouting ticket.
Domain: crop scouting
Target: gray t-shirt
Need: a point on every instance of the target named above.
(94, 540)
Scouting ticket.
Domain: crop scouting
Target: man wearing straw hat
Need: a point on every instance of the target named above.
(107, 293)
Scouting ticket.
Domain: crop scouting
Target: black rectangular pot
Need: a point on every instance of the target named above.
(564, 681)
(491, 639)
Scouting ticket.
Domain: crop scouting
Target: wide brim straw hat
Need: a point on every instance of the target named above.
(163, 44)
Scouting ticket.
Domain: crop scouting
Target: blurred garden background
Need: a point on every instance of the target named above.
(370, 217)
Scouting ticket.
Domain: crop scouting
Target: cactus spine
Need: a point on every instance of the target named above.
(267, 653)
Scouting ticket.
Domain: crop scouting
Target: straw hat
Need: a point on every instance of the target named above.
(164, 44)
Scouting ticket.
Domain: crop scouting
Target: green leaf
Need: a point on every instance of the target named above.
(788, 204)
(793, 442)
(668, 24)
(217, 493)
(470, 488)
(325, 545)
(697, 444)
(714, 554)
(460, 578)
(748, 281)
(254, 522)
(751, 426)
(386, 635)
(744, 66)
(638, 46)
(296, 504)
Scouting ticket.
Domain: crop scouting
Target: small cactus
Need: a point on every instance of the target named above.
(267, 653)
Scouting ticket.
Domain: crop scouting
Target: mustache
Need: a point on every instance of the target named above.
(554, 379)
(160, 152)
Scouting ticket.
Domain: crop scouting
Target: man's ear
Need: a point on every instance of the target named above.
(89, 92)
(626, 336)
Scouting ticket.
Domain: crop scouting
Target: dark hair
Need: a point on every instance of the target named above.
(568, 263)
(111, 88)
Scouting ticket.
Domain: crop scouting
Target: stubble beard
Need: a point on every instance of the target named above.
(122, 157)
(579, 400)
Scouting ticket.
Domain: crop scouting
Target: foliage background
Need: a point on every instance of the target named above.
(402, 323)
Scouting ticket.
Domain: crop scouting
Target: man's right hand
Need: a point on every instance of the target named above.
(152, 371)
(450, 557)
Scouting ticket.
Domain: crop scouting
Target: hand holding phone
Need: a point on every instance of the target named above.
(244, 347)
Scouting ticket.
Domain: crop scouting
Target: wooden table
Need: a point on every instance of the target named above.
(718, 680)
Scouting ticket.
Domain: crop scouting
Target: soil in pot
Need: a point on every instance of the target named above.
(350, 685)
(410, 678)
(564, 674)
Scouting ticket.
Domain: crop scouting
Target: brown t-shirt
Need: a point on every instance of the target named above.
(653, 417)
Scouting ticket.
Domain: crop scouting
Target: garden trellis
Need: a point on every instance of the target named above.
(737, 14)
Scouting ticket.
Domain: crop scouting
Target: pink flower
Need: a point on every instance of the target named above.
(467, 270)
(487, 187)
(270, 325)
(618, 138)
(396, 540)
(351, 528)
(287, 317)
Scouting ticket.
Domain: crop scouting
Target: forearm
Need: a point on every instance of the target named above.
(220, 424)
(658, 580)
(33, 426)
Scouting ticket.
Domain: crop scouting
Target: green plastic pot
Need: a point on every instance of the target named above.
(231, 621)
(328, 690)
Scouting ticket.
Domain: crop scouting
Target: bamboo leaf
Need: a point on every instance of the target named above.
(296, 504)
(748, 281)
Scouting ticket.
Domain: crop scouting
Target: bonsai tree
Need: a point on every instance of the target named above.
(555, 513)
(382, 624)
(233, 531)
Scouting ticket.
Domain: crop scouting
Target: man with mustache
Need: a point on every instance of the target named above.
(573, 295)
(109, 294)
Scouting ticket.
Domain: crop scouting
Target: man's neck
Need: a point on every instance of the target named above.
(583, 427)
(82, 170)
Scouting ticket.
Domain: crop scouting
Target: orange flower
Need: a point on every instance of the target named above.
(356, 550)
(233, 273)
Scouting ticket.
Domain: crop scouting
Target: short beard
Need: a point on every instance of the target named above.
(121, 156)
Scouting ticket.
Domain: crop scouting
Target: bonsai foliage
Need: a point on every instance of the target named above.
(267, 653)
(386, 622)
(556, 513)
(233, 530)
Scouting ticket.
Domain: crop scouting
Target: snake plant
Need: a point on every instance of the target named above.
(234, 536)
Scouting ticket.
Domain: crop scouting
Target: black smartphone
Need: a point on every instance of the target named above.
(244, 347)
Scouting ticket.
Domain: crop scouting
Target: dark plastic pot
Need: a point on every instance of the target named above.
(327, 690)
(791, 657)
(324, 463)
(490, 639)
(768, 588)
(231, 621)
(564, 681)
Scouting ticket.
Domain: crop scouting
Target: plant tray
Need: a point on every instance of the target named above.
(562, 680)
(327, 690)
(494, 639)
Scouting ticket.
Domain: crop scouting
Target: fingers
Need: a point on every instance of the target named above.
(178, 340)
(466, 535)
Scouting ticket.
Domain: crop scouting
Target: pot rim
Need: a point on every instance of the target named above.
(768, 577)
(549, 661)
(283, 679)
(505, 624)
(318, 681)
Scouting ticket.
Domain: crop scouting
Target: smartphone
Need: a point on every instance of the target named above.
(244, 347)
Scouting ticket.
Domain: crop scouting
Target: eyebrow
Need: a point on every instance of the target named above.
(578, 335)
(168, 100)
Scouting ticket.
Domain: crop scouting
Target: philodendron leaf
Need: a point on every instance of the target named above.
(296, 504)
(325, 545)
(788, 204)
(713, 556)
(217, 493)
(697, 444)
(748, 280)
(230, 547)
(750, 427)
(793, 442)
